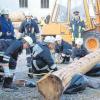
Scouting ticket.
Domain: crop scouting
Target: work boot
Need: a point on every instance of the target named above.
(30, 84)
(8, 83)
(29, 64)
(30, 73)
(1, 78)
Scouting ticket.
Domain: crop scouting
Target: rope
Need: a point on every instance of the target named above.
(34, 74)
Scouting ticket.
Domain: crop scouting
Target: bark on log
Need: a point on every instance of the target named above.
(52, 85)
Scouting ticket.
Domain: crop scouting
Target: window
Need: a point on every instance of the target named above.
(44, 3)
(23, 3)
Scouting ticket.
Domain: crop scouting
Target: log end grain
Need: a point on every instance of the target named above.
(50, 87)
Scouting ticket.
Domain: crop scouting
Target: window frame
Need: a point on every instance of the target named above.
(23, 3)
(45, 4)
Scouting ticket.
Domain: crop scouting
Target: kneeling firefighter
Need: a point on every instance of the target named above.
(9, 59)
(79, 50)
(63, 48)
(42, 59)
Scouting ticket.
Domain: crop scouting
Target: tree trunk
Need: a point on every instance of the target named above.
(51, 86)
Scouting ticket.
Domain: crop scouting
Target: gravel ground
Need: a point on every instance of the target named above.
(25, 93)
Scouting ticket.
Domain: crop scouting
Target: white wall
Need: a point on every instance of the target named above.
(9, 4)
(34, 6)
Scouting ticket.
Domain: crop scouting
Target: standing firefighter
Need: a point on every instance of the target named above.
(77, 26)
(7, 29)
(9, 59)
(29, 27)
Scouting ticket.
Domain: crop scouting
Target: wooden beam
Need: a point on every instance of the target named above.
(51, 86)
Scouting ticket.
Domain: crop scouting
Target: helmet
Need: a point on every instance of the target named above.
(28, 40)
(3, 12)
(49, 39)
(18, 35)
(79, 41)
(58, 37)
(76, 12)
(28, 14)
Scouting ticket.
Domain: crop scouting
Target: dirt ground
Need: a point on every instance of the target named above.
(26, 93)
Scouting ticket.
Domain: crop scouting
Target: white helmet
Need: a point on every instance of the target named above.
(28, 14)
(28, 40)
(18, 35)
(79, 41)
(49, 39)
(3, 12)
(58, 38)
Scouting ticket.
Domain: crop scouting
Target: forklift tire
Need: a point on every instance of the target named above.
(91, 41)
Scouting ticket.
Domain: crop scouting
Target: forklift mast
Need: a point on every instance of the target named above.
(98, 15)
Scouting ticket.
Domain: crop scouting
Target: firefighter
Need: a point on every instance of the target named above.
(79, 50)
(29, 27)
(42, 59)
(77, 26)
(7, 29)
(10, 56)
(63, 48)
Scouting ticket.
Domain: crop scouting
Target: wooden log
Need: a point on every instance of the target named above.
(52, 85)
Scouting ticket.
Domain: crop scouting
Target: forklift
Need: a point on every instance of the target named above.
(59, 23)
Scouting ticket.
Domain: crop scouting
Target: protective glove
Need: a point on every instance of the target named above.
(6, 71)
(63, 55)
(83, 29)
(54, 67)
(0, 34)
(8, 33)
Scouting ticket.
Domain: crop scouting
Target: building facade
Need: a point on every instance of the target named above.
(38, 8)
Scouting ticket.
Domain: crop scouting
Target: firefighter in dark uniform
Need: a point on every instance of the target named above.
(29, 27)
(7, 28)
(9, 58)
(77, 26)
(42, 58)
(79, 50)
(63, 48)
